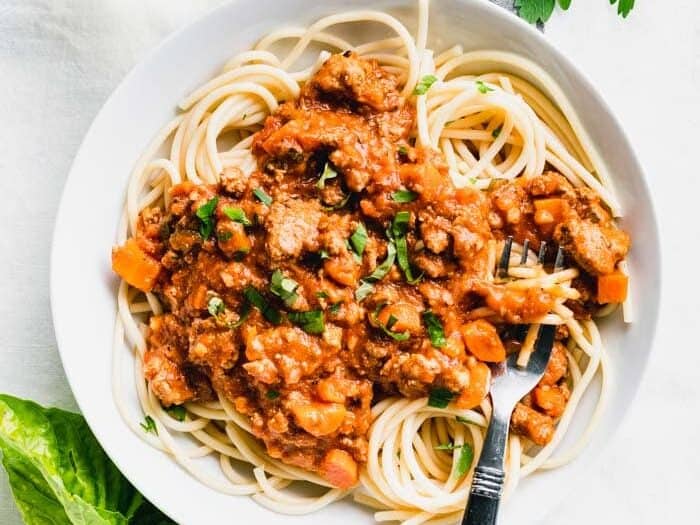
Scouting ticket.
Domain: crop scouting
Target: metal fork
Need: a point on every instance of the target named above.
(509, 384)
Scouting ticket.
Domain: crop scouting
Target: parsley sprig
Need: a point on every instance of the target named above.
(534, 11)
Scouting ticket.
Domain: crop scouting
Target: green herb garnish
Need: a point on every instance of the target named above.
(387, 329)
(358, 240)
(149, 425)
(311, 322)
(328, 173)
(255, 298)
(399, 229)
(403, 150)
(205, 214)
(424, 84)
(335, 307)
(322, 295)
(462, 419)
(262, 196)
(237, 215)
(404, 196)
(435, 330)
(216, 306)
(534, 11)
(177, 412)
(366, 284)
(483, 88)
(447, 446)
(323, 254)
(496, 132)
(464, 462)
(272, 395)
(284, 287)
(224, 236)
(440, 398)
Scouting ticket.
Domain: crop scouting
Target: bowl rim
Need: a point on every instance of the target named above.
(491, 10)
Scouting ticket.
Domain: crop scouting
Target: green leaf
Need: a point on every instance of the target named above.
(358, 240)
(149, 426)
(564, 4)
(424, 84)
(177, 412)
(464, 462)
(284, 287)
(335, 307)
(403, 150)
(215, 306)
(404, 196)
(483, 88)
(272, 395)
(396, 336)
(237, 215)
(311, 322)
(435, 330)
(399, 229)
(366, 287)
(58, 473)
(623, 7)
(497, 132)
(255, 298)
(262, 196)
(440, 397)
(322, 295)
(205, 214)
(328, 173)
(534, 11)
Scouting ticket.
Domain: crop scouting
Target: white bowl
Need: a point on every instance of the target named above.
(83, 286)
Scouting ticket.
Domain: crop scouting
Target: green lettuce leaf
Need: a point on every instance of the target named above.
(59, 474)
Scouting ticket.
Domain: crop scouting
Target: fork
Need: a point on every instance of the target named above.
(510, 383)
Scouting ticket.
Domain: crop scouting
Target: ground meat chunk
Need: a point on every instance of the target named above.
(233, 181)
(596, 248)
(435, 232)
(350, 79)
(292, 229)
(557, 365)
(539, 428)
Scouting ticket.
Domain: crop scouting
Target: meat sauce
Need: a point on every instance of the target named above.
(303, 293)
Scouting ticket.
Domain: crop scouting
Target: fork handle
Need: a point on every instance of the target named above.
(489, 476)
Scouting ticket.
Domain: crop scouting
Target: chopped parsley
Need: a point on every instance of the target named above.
(435, 330)
(399, 229)
(322, 295)
(440, 398)
(496, 132)
(404, 196)
(262, 196)
(205, 214)
(358, 240)
(366, 284)
(255, 298)
(462, 419)
(237, 215)
(403, 150)
(177, 412)
(328, 173)
(149, 425)
(284, 287)
(483, 88)
(387, 329)
(311, 322)
(335, 307)
(272, 395)
(216, 306)
(424, 84)
(465, 460)
(323, 254)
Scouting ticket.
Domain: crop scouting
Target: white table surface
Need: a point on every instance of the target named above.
(60, 59)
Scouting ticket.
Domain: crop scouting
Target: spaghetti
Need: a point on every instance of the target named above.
(490, 124)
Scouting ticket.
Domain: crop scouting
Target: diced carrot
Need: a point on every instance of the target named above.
(425, 179)
(483, 341)
(478, 388)
(135, 266)
(339, 469)
(343, 270)
(319, 419)
(406, 318)
(612, 287)
(331, 390)
(198, 298)
(454, 346)
(548, 213)
(551, 399)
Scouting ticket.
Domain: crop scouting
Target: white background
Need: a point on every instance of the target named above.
(60, 59)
